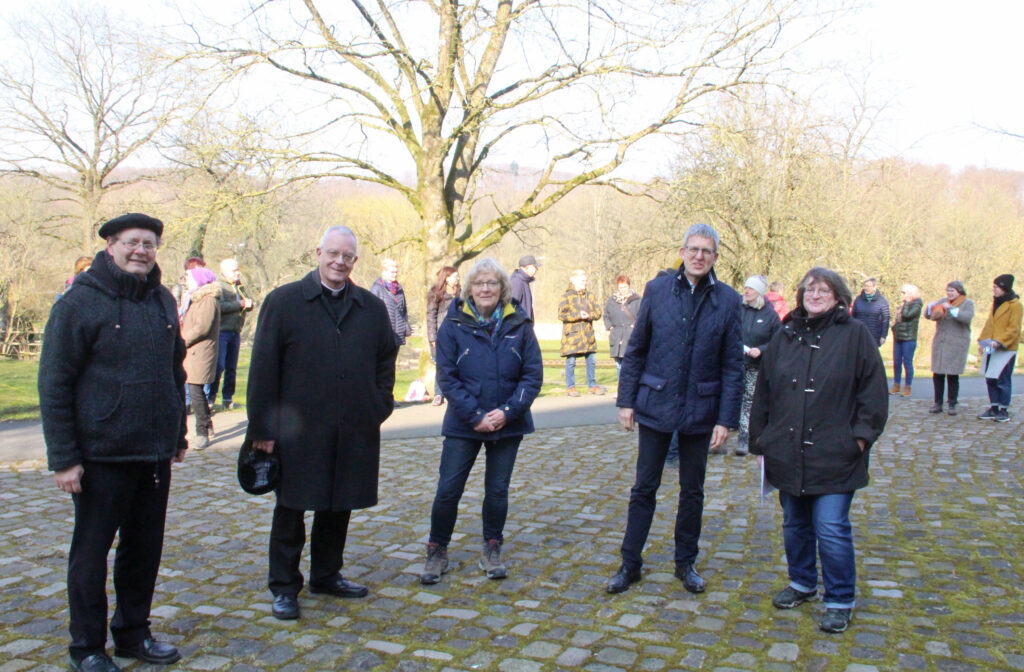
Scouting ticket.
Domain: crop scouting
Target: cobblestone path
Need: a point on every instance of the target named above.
(939, 537)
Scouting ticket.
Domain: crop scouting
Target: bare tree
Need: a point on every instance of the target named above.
(438, 88)
(81, 96)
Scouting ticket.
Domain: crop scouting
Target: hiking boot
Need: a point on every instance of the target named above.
(836, 620)
(229, 405)
(895, 389)
(490, 560)
(597, 389)
(936, 407)
(436, 564)
(906, 391)
(572, 392)
(952, 408)
(989, 414)
(1002, 415)
(790, 597)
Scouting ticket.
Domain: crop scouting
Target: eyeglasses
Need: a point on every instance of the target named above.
(132, 245)
(694, 251)
(346, 257)
(488, 284)
(818, 291)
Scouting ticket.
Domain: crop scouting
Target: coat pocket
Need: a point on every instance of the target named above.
(650, 384)
(711, 388)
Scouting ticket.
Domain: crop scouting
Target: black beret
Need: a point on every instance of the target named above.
(258, 472)
(133, 220)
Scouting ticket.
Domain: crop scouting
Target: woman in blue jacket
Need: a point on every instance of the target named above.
(490, 368)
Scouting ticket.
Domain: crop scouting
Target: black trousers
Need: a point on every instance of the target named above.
(288, 536)
(650, 463)
(130, 499)
(201, 409)
(938, 382)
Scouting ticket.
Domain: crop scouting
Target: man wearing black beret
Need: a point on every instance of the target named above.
(111, 394)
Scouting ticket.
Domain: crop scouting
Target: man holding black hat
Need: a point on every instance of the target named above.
(521, 279)
(320, 384)
(111, 395)
(998, 343)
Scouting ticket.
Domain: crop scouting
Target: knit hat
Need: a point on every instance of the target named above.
(1004, 282)
(757, 283)
(959, 287)
(202, 276)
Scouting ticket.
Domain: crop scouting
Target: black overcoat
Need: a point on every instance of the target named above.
(320, 387)
(821, 387)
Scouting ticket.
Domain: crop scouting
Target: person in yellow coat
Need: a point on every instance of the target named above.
(998, 341)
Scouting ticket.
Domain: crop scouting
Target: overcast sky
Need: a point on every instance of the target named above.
(945, 67)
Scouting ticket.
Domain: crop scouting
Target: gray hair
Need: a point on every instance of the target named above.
(488, 265)
(344, 230)
(703, 231)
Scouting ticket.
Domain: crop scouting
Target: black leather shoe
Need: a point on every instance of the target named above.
(286, 608)
(340, 587)
(692, 581)
(97, 662)
(150, 651)
(623, 579)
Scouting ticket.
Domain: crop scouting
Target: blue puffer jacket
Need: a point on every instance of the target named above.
(874, 313)
(479, 374)
(683, 369)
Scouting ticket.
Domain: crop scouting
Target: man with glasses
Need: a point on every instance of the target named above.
(682, 373)
(111, 395)
(320, 385)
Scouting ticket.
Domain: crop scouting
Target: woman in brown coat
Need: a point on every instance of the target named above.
(200, 327)
(577, 310)
(952, 316)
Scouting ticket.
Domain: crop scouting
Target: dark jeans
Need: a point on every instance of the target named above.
(288, 536)
(650, 462)
(819, 525)
(457, 458)
(939, 383)
(227, 364)
(200, 408)
(1001, 389)
(129, 498)
(903, 359)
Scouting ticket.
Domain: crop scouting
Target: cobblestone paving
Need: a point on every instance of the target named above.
(939, 540)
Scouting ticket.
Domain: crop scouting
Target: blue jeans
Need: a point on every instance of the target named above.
(903, 358)
(1000, 389)
(820, 525)
(227, 364)
(570, 369)
(650, 462)
(457, 458)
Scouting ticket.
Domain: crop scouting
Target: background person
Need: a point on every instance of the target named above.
(389, 290)
(619, 318)
(445, 290)
(111, 398)
(490, 367)
(824, 376)
(577, 310)
(759, 322)
(952, 315)
(904, 338)
(1001, 333)
(872, 309)
(321, 382)
(522, 283)
(778, 301)
(200, 327)
(235, 304)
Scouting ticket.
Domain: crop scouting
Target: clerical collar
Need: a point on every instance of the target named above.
(333, 292)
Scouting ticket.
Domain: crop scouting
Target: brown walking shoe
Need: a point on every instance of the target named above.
(572, 392)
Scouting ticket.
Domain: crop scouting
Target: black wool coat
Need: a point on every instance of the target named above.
(320, 387)
(821, 387)
(111, 381)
